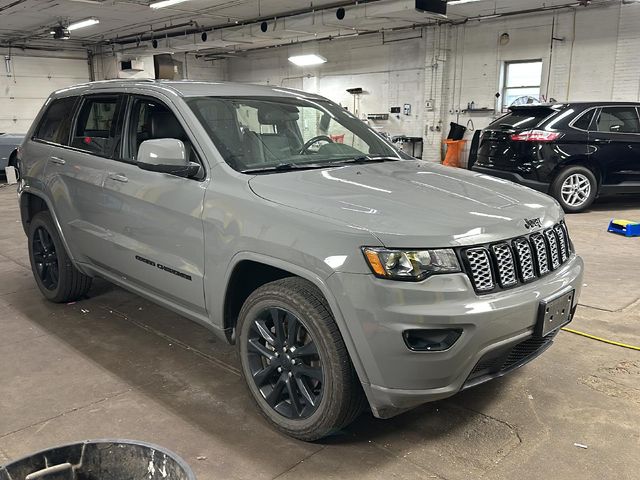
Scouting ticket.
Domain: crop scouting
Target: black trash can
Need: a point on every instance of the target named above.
(100, 460)
(457, 131)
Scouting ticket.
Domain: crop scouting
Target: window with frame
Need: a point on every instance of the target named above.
(521, 83)
(96, 127)
(55, 126)
(618, 120)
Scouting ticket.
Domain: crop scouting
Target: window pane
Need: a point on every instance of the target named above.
(259, 132)
(618, 120)
(522, 119)
(521, 96)
(95, 130)
(523, 74)
(584, 121)
(56, 122)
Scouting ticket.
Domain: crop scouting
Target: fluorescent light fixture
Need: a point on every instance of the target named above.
(459, 2)
(306, 60)
(83, 23)
(166, 3)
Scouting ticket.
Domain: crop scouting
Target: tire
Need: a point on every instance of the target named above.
(337, 399)
(48, 255)
(13, 162)
(575, 188)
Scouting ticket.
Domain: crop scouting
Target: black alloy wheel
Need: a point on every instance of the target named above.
(45, 258)
(284, 363)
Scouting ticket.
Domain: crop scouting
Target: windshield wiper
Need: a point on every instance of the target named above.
(367, 159)
(283, 167)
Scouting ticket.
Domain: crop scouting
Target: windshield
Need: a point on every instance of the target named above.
(256, 133)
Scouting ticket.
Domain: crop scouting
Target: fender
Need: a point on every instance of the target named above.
(24, 188)
(315, 279)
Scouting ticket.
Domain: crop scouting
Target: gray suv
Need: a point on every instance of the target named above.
(346, 273)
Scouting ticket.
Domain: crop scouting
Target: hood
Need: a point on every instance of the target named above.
(412, 204)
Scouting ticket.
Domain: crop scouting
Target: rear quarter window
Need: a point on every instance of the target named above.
(522, 118)
(55, 126)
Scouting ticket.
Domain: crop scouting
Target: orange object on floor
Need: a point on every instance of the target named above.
(453, 158)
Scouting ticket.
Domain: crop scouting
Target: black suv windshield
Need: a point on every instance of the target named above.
(279, 134)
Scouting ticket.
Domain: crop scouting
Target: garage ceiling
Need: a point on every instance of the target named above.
(231, 26)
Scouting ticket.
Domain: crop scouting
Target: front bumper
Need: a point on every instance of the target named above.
(377, 311)
(514, 177)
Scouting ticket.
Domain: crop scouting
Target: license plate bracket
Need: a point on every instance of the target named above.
(554, 313)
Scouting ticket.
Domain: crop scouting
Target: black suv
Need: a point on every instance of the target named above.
(572, 151)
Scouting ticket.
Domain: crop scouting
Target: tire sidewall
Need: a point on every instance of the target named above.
(562, 176)
(267, 298)
(43, 219)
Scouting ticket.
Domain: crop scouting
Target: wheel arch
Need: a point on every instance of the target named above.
(271, 269)
(581, 161)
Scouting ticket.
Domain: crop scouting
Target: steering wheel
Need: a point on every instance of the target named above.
(317, 139)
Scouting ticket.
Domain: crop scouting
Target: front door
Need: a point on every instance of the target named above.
(614, 139)
(154, 219)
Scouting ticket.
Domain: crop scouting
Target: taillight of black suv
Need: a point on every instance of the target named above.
(572, 151)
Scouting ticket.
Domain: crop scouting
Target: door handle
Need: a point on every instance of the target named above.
(601, 141)
(118, 177)
(58, 160)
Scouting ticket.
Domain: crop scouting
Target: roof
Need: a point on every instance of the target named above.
(188, 88)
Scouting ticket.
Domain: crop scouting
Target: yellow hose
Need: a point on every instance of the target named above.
(599, 339)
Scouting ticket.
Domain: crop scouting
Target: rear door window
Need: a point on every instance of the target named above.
(55, 125)
(522, 118)
(97, 128)
(618, 120)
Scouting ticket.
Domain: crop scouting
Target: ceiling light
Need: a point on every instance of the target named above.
(306, 60)
(83, 23)
(458, 2)
(166, 3)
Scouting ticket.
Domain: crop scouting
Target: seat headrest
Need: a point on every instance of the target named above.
(164, 124)
(273, 116)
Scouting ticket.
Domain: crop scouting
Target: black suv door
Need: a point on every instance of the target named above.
(614, 140)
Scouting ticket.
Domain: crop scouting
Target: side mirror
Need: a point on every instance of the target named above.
(166, 155)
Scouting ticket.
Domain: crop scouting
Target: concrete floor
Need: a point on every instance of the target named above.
(117, 366)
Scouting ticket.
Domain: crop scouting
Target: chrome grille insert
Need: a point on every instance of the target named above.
(524, 259)
(542, 258)
(554, 254)
(507, 275)
(521, 260)
(480, 266)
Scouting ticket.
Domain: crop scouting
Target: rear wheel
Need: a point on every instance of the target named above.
(575, 188)
(295, 362)
(58, 280)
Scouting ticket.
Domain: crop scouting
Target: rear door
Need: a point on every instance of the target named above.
(78, 141)
(154, 220)
(614, 140)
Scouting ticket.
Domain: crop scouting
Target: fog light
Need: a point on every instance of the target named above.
(431, 340)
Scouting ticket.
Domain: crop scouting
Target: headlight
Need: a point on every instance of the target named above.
(410, 264)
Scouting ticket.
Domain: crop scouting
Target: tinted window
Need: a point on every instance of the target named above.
(618, 120)
(584, 122)
(523, 118)
(96, 129)
(55, 125)
(151, 119)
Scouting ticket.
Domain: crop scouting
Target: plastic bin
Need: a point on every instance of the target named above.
(456, 132)
(453, 157)
(100, 460)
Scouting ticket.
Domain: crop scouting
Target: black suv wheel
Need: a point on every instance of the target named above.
(58, 280)
(295, 362)
(575, 188)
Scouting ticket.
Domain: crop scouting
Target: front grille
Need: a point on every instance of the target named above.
(520, 260)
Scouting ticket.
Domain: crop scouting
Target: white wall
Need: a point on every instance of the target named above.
(597, 58)
(34, 75)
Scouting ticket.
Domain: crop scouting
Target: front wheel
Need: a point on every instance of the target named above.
(295, 362)
(575, 188)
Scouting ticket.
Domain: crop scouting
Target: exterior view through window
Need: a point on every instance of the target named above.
(273, 133)
(521, 83)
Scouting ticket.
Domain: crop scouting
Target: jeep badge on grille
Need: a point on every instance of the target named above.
(530, 223)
